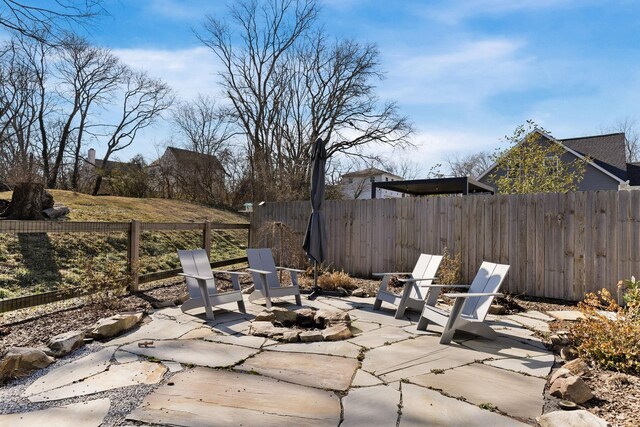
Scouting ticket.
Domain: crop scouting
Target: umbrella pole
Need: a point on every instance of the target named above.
(316, 289)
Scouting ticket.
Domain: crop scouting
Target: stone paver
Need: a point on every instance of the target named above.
(71, 372)
(86, 414)
(196, 352)
(379, 337)
(529, 322)
(384, 317)
(242, 340)
(538, 366)
(116, 377)
(537, 315)
(315, 370)
(205, 397)
(567, 315)
(503, 347)
(511, 392)
(364, 379)
(198, 333)
(158, 329)
(414, 357)
(371, 406)
(125, 357)
(358, 327)
(422, 407)
(331, 348)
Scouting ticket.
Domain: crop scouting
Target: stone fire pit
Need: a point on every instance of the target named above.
(303, 324)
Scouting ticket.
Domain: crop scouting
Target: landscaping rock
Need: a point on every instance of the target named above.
(265, 316)
(291, 336)
(326, 318)
(560, 373)
(359, 293)
(577, 367)
(497, 309)
(63, 344)
(337, 333)
(557, 340)
(284, 316)
(266, 329)
(114, 325)
(580, 418)
(572, 388)
(20, 361)
(305, 317)
(311, 336)
(568, 353)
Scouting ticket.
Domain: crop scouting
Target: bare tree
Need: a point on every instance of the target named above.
(46, 22)
(288, 86)
(88, 76)
(143, 100)
(471, 165)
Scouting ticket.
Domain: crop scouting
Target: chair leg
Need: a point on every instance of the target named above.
(298, 299)
(423, 323)
(377, 304)
(450, 328)
(205, 298)
(241, 307)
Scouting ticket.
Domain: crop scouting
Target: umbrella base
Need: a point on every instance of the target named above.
(315, 291)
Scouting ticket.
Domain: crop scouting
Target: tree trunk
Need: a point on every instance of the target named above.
(28, 201)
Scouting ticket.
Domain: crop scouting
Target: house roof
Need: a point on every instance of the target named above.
(187, 157)
(369, 172)
(595, 147)
(423, 187)
(633, 173)
(607, 151)
(111, 164)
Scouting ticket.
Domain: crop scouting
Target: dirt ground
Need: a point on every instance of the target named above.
(617, 395)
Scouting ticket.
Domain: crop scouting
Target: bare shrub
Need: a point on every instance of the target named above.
(104, 285)
(286, 244)
(450, 271)
(331, 281)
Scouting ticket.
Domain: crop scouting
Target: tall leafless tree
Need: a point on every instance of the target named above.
(288, 86)
(471, 165)
(143, 100)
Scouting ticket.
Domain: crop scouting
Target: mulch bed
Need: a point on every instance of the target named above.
(617, 395)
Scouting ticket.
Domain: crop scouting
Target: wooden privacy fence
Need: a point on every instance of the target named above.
(133, 230)
(558, 245)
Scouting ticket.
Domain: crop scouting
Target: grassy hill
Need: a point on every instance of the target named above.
(31, 263)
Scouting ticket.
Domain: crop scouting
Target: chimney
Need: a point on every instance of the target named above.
(92, 156)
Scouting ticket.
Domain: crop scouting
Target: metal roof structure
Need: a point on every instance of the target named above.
(424, 187)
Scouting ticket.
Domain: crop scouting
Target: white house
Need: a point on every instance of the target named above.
(357, 185)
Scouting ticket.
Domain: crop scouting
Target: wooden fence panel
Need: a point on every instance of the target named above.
(558, 245)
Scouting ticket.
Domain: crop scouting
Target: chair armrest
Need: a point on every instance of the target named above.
(389, 274)
(473, 294)
(253, 270)
(238, 273)
(193, 276)
(295, 270)
(417, 279)
(443, 286)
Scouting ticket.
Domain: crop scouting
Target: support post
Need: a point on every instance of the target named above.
(206, 238)
(133, 254)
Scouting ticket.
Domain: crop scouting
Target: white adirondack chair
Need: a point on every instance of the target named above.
(469, 308)
(416, 288)
(202, 285)
(265, 277)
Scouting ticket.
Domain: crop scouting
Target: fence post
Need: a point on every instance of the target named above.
(133, 254)
(206, 238)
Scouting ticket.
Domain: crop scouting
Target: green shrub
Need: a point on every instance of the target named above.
(611, 343)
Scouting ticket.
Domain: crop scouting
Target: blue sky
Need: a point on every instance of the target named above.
(465, 72)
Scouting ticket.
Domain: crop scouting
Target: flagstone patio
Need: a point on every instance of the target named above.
(388, 374)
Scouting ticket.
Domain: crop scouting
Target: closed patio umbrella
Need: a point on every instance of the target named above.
(315, 240)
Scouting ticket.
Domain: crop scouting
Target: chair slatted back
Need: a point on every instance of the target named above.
(488, 280)
(196, 262)
(427, 266)
(262, 259)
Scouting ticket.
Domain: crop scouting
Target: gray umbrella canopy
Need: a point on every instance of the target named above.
(315, 241)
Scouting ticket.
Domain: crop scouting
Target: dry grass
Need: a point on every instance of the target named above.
(336, 279)
(32, 263)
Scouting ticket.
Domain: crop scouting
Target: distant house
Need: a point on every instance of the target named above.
(357, 185)
(181, 173)
(94, 167)
(607, 168)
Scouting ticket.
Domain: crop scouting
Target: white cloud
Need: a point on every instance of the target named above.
(468, 74)
(188, 71)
